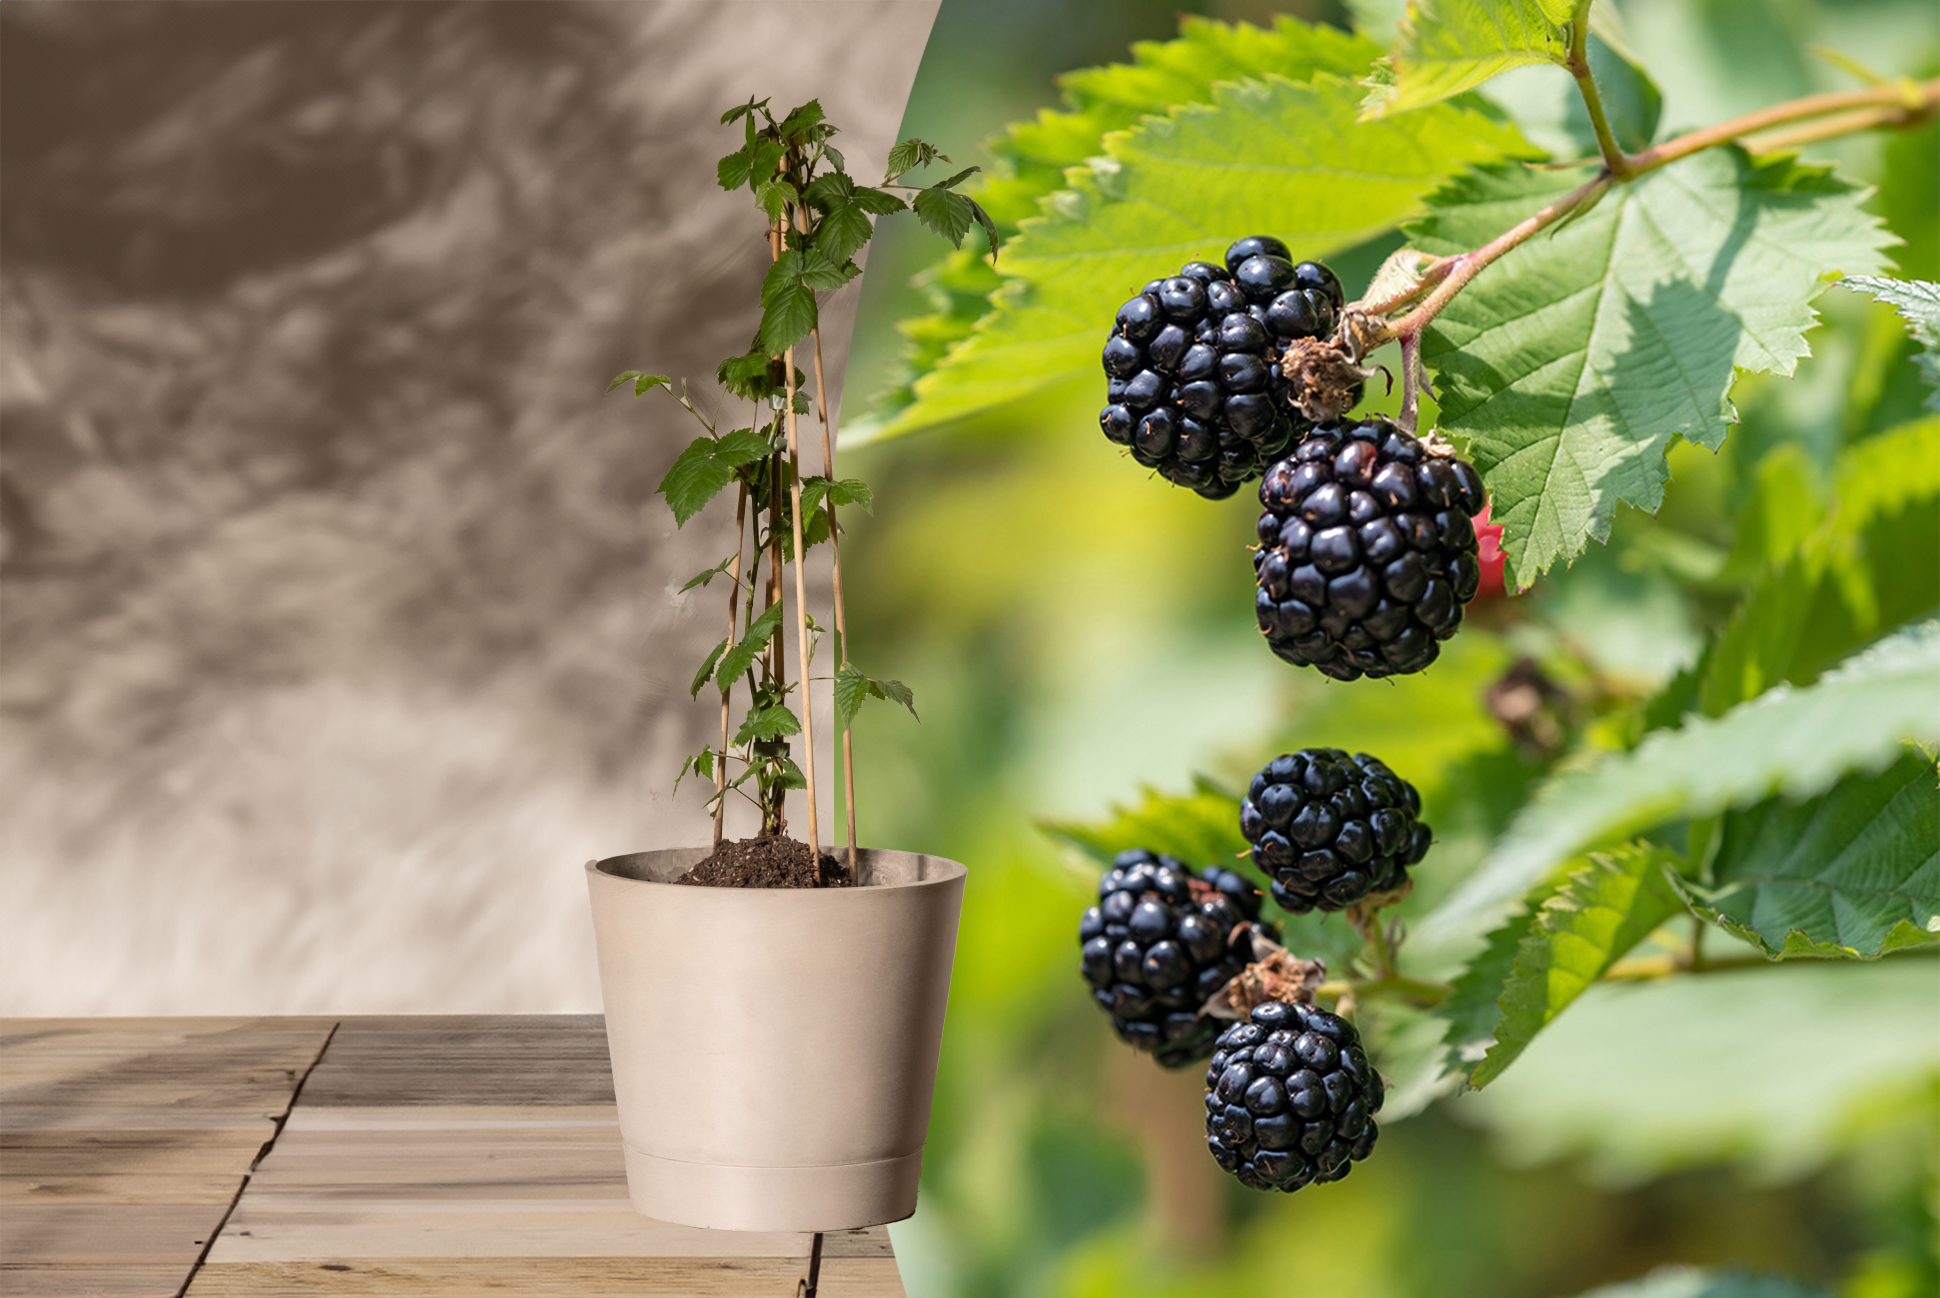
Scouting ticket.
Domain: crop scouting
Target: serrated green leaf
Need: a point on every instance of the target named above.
(1688, 1282)
(1472, 1009)
(1271, 156)
(1200, 827)
(738, 659)
(953, 181)
(1918, 303)
(878, 202)
(847, 491)
(706, 673)
(643, 383)
(841, 231)
(701, 764)
(772, 722)
(1794, 742)
(1445, 47)
(787, 305)
(1032, 156)
(801, 119)
(1852, 874)
(706, 576)
(732, 171)
(824, 275)
(739, 111)
(1600, 912)
(907, 155)
(944, 212)
(696, 477)
(853, 687)
(764, 156)
(1572, 363)
(775, 197)
(791, 776)
(1833, 576)
(742, 446)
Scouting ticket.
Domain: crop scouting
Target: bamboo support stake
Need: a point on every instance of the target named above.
(734, 601)
(801, 583)
(841, 621)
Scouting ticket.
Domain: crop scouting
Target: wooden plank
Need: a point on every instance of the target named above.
(526, 1278)
(545, 1278)
(496, 1060)
(133, 1187)
(90, 1280)
(33, 1234)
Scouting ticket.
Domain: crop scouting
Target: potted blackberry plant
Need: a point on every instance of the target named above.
(774, 1009)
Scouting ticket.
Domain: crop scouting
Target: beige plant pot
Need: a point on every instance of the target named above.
(774, 1050)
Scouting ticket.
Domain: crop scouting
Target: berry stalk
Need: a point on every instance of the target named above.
(803, 650)
(1578, 64)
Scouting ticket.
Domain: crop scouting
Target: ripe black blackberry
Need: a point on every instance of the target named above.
(1290, 1098)
(1330, 829)
(1367, 550)
(1192, 365)
(1160, 942)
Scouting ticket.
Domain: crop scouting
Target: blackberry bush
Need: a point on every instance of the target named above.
(1160, 942)
(1193, 379)
(1290, 1098)
(1367, 550)
(1330, 829)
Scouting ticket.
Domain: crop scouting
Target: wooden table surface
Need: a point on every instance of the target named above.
(216, 1158)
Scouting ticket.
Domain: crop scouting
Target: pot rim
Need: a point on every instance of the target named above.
(951, 872)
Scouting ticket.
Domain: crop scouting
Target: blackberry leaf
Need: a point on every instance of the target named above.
(1202, 825)
(1601, 912)
(642, 383)
(853, 688)
(1447, 46)
(1572, 364)
(1918, 303)
(1788, 741)
(787, 305)
(1473, 1011)
(706, 673)
(705, 467)
(1272, 155)
(772, 722)
(738, 659)
(1853, 874)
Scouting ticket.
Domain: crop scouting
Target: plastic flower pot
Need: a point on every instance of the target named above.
(774, 1049)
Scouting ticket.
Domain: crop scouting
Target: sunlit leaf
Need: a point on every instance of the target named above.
(1447, 46)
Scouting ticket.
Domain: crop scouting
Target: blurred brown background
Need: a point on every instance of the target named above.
(340, 625)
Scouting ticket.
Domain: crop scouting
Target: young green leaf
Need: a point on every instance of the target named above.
(944, 212)
(1600, 912)
(853, 687)
(787, 305)
(706, 672)
(1447, 46)
(848, 491)
(1918, 303)
(823, 275)
(739, 111)
(701, 764)
(738, 659)
(908, 155)
(764, 156)
(877, 202)
(801, 120)
(1853, 874)
(708, 575)
(1788, 741)
(791, 776)
(1572, 364)
(775, 198)
(705, 467)
(772, 722)
(643, 383)
(1473, 1010)
(733, 170)
(1276, 156)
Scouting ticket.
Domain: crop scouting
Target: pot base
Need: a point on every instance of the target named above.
(772, 1198)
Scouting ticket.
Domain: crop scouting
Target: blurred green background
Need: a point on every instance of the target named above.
(1074, 631)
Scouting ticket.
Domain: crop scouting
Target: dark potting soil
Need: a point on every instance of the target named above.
(771, 861)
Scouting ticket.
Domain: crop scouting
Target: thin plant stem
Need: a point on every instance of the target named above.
(1578, 64)
(1410, 382)
(734, 600)
(1418, 992)
(1898, 104)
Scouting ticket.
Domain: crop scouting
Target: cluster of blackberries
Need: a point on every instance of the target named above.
(1367, 550)
(1290, 1098)
(1193, 375)
(1160, 942)
(1330, 829)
